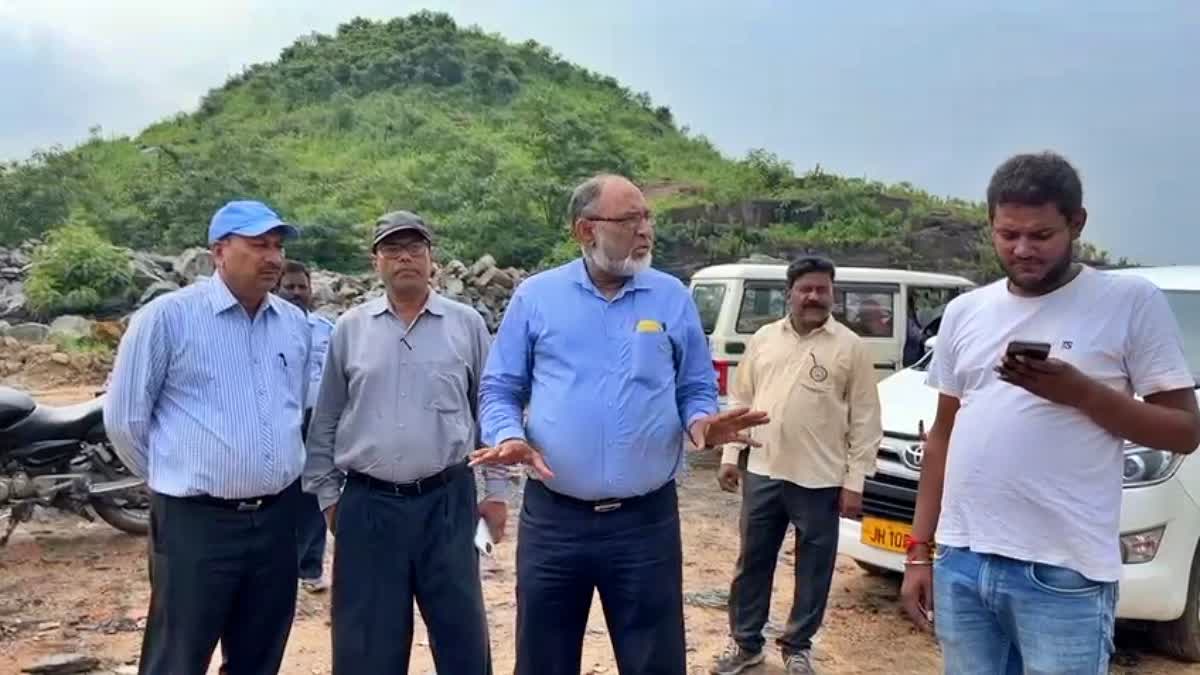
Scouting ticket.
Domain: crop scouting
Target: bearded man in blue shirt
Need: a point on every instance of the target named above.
(608, 359)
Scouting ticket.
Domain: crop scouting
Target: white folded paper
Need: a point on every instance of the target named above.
(483, 538)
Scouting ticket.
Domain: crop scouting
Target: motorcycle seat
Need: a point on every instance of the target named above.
(15, 405)
(56, 423)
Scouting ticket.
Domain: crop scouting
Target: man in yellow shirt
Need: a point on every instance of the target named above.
(816, 379)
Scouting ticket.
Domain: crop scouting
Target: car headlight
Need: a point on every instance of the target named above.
(1147, 467)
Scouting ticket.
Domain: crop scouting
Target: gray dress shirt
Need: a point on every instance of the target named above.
(399, 402)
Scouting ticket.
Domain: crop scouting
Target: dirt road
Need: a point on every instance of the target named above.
(71, 586)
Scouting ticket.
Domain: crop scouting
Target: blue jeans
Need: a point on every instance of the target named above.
(996, 615)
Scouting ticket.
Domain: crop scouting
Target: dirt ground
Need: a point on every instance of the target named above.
(71, 586)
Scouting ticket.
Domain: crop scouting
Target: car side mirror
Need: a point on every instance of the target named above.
(929, 343)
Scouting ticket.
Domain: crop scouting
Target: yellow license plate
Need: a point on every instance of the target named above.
(885, 534)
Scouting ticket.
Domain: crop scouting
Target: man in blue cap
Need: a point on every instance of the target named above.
(206, 404)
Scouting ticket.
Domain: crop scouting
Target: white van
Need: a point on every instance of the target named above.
(1160, 504)
(735, 300)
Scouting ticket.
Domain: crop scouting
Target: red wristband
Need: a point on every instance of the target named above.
(910, 543)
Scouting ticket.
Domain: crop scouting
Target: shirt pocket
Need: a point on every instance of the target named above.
(652, 357)
(289, 366)
(447, 390)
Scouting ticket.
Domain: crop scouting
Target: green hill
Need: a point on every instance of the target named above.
(483, 136)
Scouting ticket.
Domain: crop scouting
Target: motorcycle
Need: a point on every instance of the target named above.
(60, 457)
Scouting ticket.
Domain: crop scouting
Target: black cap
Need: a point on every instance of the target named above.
(399, 221)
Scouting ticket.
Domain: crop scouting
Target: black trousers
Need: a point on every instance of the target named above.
(219, 574)
(392, 550)
(632, 555)
(767, 508)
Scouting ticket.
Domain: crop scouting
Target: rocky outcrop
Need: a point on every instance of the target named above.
(482, 285)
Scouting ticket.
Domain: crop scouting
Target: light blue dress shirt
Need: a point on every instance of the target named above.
(322, 329)
(205, 399)
(609, 385)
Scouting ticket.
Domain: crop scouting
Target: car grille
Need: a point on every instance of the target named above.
(890, 497)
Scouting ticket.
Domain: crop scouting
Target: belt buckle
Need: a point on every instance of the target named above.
(606, 506)
(250, 505)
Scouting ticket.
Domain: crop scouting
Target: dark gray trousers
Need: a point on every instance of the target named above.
(767, 508)
(392, 550)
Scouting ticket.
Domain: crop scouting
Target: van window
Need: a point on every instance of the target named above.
(762, 303)
(925, 303)
(708, 299)
(870, 312)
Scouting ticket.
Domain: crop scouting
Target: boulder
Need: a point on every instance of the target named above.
(192, 263)
(71, 326)
(485, 278)
(108, 332)
(60, 358)
(156, 289)
(12, 298)
(29, 332)
(10, 343)
(453, 286)
(487, 262)
(147, 271)
(455, 268)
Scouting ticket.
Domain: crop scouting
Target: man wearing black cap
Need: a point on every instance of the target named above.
(394, 423)
(206, 402)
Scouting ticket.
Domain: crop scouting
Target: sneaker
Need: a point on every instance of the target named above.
(318, 585)
(799, 663)
(735, 660)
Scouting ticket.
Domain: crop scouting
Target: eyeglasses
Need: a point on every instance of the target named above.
(628, 221)
(394, 250)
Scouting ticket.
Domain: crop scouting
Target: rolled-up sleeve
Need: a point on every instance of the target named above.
(143, 358)
(504, 387)
(696, 381)
(321, 475)
(496, 478)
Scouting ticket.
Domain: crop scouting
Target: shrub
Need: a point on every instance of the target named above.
(78, 271)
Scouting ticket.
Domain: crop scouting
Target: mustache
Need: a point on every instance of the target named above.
(816, 305)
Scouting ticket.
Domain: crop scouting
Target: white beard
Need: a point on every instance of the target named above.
(626, 267)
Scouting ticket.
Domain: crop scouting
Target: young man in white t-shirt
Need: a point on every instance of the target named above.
(1023, 464)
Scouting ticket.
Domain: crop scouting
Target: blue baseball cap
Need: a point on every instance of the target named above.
(248, 219)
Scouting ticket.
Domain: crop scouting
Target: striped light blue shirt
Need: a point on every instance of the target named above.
(206, 400)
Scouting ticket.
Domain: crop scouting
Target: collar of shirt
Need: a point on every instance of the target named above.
(639, 281)
(434, 304)
(222, 299)
(317, 321)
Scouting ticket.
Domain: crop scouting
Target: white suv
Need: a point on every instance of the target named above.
(1160, 506)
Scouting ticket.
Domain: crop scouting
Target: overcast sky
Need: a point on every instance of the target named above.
(935, 92)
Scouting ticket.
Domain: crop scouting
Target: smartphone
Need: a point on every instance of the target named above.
(1030, 350)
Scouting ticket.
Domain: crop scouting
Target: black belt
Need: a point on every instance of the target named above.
(600, 505)
(418, 487)
(246, 504)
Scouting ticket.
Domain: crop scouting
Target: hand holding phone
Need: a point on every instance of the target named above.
(1039, 351)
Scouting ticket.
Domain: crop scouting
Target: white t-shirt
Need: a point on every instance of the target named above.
(1030, 479)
